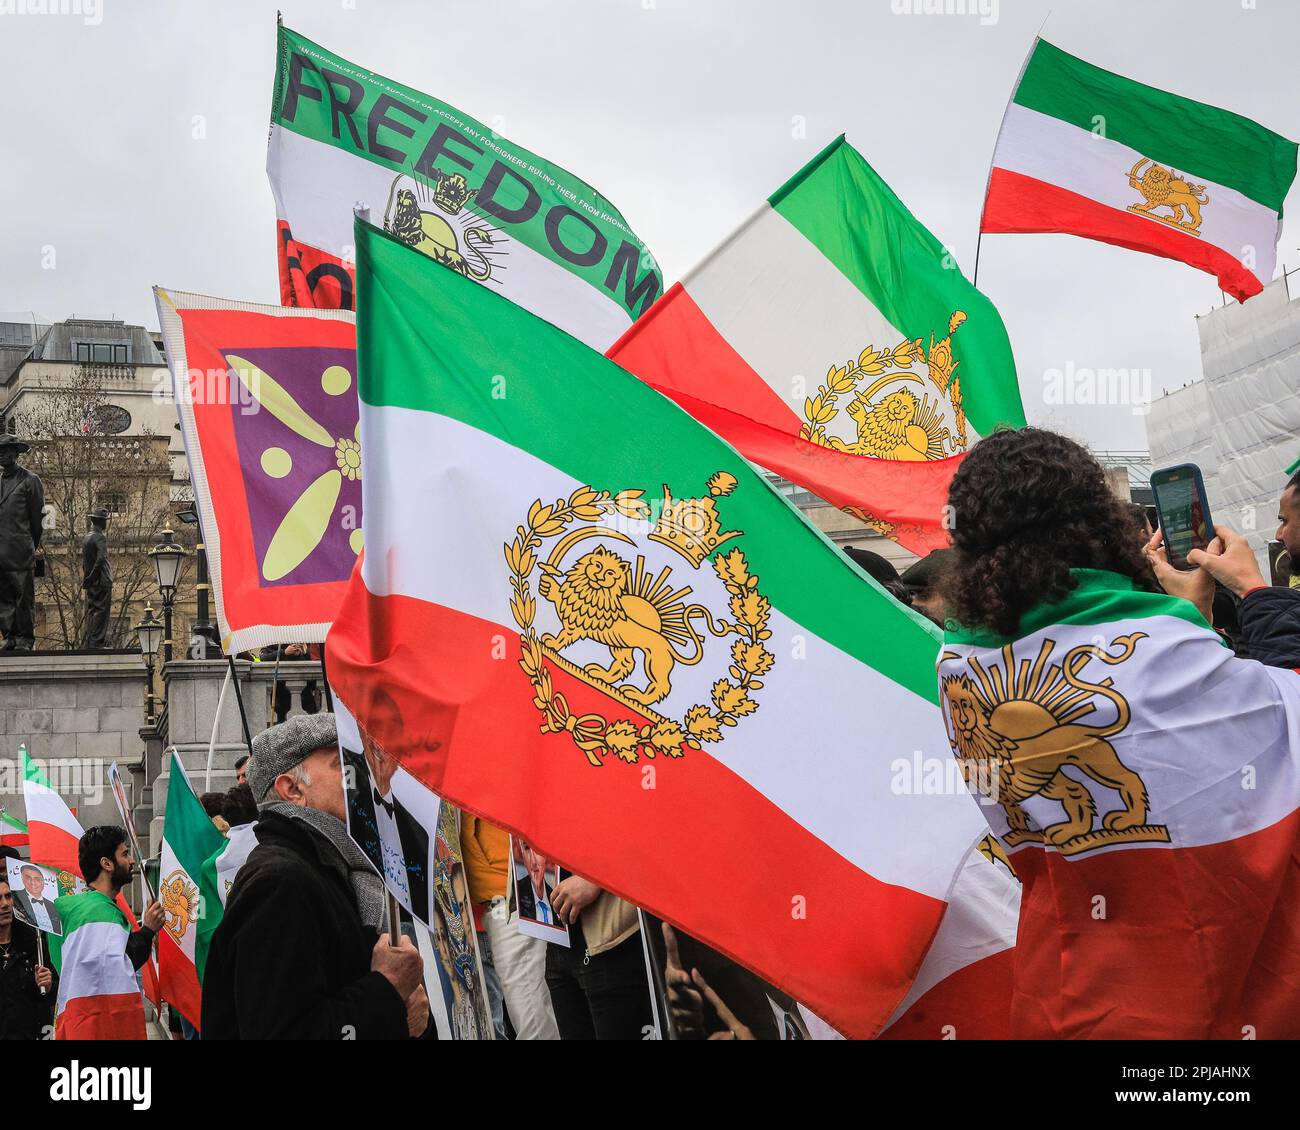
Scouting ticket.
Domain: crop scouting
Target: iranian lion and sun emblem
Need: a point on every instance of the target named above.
(179, 899)
(1017, 728)
(636, 617)
(880, 405)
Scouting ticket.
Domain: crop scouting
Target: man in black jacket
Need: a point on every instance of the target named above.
(299, 954)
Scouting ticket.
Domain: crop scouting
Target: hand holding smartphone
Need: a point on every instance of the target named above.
(1183, 511)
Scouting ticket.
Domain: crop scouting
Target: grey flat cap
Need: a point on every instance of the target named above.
(278, 749)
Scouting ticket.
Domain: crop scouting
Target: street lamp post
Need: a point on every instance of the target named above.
(149, 632)
(168, 558)
(203, 628)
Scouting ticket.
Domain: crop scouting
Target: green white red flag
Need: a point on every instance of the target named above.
(1161, 876)
(192, 901)
(1088, 152)
(584, 617)
(343, 137)
(13, 832)
(832, 339)
(53, 835)
(99, 998)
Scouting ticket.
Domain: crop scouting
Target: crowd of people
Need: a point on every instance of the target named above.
(304, 952)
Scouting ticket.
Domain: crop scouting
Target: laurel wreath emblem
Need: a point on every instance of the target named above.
(593, 733)
(842, 380)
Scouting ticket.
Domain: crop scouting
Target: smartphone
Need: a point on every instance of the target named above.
(1182, 511)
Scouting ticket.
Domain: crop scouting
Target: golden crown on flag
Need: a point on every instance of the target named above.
(690, 526)
(451, 191)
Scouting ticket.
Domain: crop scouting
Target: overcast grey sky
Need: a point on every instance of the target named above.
(680, 111)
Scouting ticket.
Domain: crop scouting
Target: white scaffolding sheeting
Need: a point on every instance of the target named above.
(1241, 424)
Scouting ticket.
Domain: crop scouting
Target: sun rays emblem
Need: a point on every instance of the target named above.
(432, 217)
(898, 414)
(290, 454)
(1016, 727)
(624, 627)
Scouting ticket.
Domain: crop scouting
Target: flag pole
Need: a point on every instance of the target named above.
(216, 721)
(979, 235)
(239, 698)
(40, 956)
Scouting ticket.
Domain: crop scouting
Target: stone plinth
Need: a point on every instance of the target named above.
(76, 712)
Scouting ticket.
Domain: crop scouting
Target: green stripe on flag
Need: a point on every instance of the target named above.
(1196, 139)
(1101, 597)
(76, 911)
(842, 207)
(323, 96)
(432, 341)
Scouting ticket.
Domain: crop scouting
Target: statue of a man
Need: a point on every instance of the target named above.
(22, 500)
(97, 579)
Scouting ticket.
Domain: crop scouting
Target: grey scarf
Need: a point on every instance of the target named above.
(342, 856)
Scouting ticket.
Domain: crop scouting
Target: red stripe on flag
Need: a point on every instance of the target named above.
(52, 846)
(1187, 943)
(178, 980)
(116, 1016)
(1017, 203)
(687, 838)
(676, 339)
(971, 1003)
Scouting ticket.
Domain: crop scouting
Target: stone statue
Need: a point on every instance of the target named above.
(97, 579)
(22, 501)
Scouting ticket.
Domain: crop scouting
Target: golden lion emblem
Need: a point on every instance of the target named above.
(429, 232)
(598, 599)
(1016, 730)
(900, 425)
(638, 614)
(180, 903)
(1163, 188)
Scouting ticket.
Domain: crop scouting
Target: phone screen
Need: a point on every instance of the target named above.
(1183, 512)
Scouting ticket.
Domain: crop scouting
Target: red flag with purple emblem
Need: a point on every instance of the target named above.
(267, 402)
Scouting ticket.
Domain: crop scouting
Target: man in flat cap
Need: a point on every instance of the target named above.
(96, 579)
(22, 501)
(300, 953)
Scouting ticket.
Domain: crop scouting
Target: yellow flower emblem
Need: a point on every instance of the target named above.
(347, 454)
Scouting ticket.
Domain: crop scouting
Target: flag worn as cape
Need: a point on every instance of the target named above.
(1148, 785)
(53, 835)
(99, 998)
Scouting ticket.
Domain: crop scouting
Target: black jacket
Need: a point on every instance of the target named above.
(291, 957)
(1269, 620)
(24, 1013)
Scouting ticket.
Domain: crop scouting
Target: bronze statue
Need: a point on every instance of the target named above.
(22, 501)
(97, 579)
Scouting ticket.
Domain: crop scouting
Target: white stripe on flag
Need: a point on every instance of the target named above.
(832, 787)
(1058, 153)
(316, 187)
